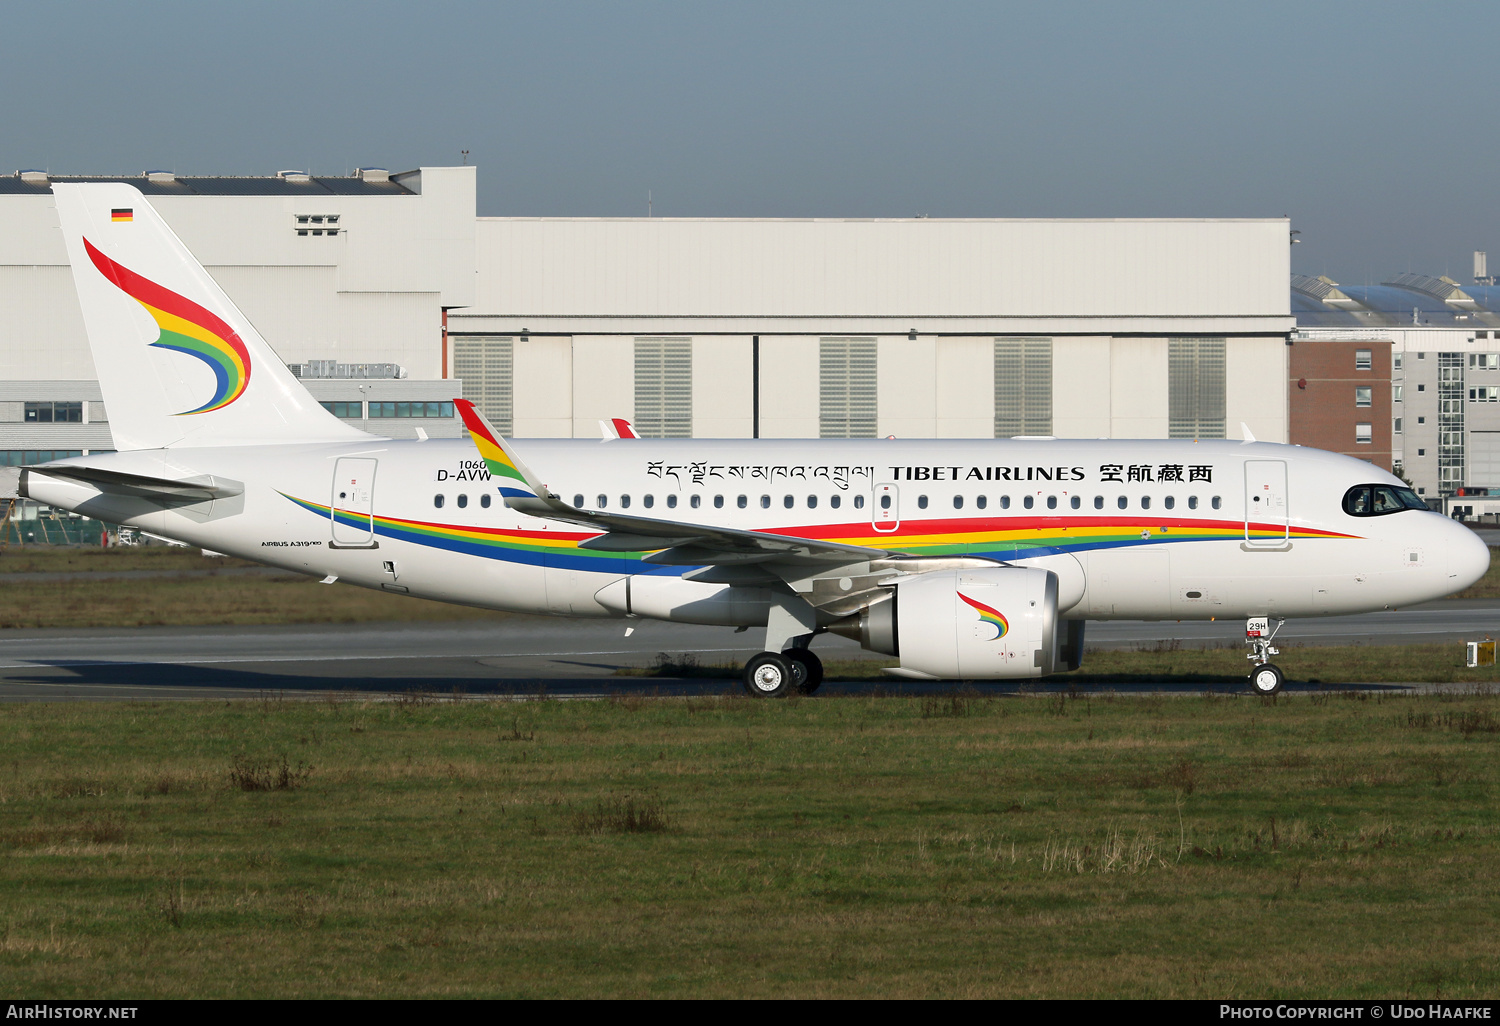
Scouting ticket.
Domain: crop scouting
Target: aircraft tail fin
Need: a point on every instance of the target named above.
(515, 479)
(178, 363)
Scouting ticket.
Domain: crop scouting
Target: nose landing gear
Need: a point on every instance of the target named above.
(1266, 678)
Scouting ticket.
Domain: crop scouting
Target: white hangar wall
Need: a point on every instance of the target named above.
(709, 327)
(928, 298)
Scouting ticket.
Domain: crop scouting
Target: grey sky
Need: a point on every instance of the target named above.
(1369, 124)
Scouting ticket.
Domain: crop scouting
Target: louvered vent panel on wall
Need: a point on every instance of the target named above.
(1023, 387)
(1195, 388)
(846, 388)
(664, 387)
(485, 364)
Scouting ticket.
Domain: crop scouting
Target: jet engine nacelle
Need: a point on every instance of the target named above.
(972, 624)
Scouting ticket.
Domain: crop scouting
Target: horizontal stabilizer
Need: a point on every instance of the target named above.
(160, 489)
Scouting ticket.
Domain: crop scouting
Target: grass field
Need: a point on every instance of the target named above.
(946, 845)
(197, 595)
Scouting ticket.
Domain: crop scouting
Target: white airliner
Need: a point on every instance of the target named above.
(971, 559)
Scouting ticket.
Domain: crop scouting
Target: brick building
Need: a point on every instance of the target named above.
(1339, 397)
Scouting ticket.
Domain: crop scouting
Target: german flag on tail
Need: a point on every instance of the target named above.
(122, 214)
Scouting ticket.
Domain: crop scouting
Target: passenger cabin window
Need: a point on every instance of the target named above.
(835, 501)
(765, 502)
(859, 502)
(671, 502)
(812, 502)
(1124, 502)
(1051, 502)
(921, 502)
(788, 502)
(958, 502)
(1217, 502)
(648, 500)
(437, 501)
(1378, 500)
(1192, 502)
(602, 501)
(1075, 502)
(697, 501)
(1005, 502)
(1028, 502)
(484, 500)
(1098, 502)
(578, 502)
(981, 502)
(1169, 502)
(885, 502)
(719, 502)
(463, 502)
(742, 501)
(1145, 502)
(624, 502)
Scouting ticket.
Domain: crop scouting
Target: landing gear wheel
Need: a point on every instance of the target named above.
(770, 675)
(807, 669)
(1266, 679)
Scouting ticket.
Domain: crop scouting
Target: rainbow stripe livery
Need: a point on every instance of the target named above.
(187, 328)
(989, 615)
(492, 450)
(1020, 541)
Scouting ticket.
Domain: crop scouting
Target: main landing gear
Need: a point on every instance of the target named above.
(1266, 678)
(787, 666)
(775, 674)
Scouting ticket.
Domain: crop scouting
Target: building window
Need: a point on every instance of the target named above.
(28, 457)
(54, 413)
(403, 410)
(1023, 387)
(349, 411)
(485, 364)
(846, 388)
(664, 387)
(1396, 425)
(1397, 359)
(1362, 359)
(1195, 388)
(1396, 393)
(1484, 361)
(1485, 394)
(1363, 395)
(317, 224)
(1421, 388)
(1362, 434)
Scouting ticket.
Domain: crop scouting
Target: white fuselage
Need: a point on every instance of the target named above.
(1134, 529)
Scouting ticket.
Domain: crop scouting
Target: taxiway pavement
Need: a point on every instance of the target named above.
(527, 655)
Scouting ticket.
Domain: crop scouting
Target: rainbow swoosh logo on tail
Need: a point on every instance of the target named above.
(187, 328)
(989, 615)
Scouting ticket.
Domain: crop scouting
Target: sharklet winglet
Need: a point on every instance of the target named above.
(513, 478)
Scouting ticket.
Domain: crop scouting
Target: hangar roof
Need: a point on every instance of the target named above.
(35, 183)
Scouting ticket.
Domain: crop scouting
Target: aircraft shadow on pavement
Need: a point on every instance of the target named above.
(157, 680)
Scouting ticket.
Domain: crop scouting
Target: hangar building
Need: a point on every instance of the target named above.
(390, 297)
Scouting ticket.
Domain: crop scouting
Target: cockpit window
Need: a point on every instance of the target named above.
(1378, 500)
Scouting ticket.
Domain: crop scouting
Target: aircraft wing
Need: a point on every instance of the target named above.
(669, 542)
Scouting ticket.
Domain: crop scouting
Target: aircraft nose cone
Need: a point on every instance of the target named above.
(1468, 558)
